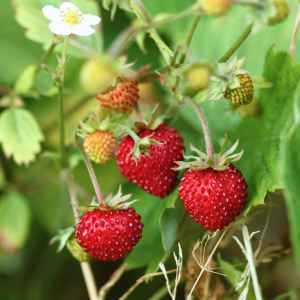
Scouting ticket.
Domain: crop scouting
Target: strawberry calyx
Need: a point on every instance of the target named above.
(141, 145)
(200, 160)
(118, 201)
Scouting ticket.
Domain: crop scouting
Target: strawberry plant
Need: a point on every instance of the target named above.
(149, 149)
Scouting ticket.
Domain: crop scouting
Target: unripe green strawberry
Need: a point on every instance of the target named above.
(197, 77)
(100, 146)
(242, 94)
(122, 98)
(76, 250)
(215, 7)
(97, 74)
(282, 12)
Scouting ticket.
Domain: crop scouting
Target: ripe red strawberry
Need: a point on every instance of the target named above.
(100, 146)
(153, 170)
(108, 235)
(122, 98)
(213, 198)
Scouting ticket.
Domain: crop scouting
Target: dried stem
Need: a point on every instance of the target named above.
(141, 280)
(293, 42)
(189, 297)
(91, 171)
(207, 138)
(112, 281)
(251, 263)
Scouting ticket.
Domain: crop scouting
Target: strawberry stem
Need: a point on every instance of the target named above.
(207, 138)
(93, 177)
(236, 44)
(293, 42)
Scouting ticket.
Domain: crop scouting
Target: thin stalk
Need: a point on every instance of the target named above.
(61, 82)
(189, 297)
(207, 138)
(61, 125)
(237, 44)
(89, 280)
(293, 42)
(85, 266)
(251, 263)
(92, 174)
(141, 280)
(254, 4)
(47, 54)
(112, 281)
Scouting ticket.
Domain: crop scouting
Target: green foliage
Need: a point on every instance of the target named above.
(20, 135)
(262, 138)
(26, 80)
(233, 275)
(14, 221)
(290, 160)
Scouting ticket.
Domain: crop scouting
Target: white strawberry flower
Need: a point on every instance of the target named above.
(68, 19)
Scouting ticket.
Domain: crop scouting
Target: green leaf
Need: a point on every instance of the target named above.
(14, 221)
(262, 138)
(233, 275)
(29, 15)
(151, 209)
(170, 221)
(20, 135)
(290, 175)
(287, 296)
(62, 238)
(26, 80)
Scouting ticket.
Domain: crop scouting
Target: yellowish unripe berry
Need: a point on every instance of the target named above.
(100, 146)
(197, 77)
(97, 74)
(282, 12)
(215, 7)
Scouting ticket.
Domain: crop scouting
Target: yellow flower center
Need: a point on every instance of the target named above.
(72, 17)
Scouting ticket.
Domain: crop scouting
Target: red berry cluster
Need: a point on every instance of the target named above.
(212, 197)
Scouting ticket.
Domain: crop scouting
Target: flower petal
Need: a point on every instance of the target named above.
(82, 30)
(60, 28)
(67, 6)
(91, 19)
(50, 12)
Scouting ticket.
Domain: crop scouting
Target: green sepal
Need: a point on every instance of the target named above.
(62, 238)
(76, 250)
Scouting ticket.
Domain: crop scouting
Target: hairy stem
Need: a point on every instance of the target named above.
(293, 42)
(92, 174)
(112, 281)
(251, 263)
(85, 266)
(61, 82)
(207, 138)
(236, 45)
(89, 280)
